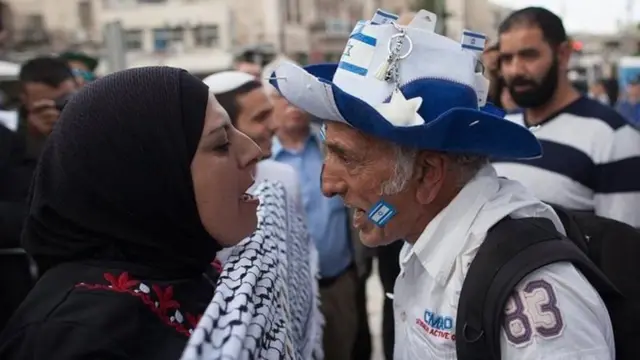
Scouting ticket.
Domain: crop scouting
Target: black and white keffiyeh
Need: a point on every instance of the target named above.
(266, 302)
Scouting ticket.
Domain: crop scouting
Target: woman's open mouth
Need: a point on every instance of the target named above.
(248, 198)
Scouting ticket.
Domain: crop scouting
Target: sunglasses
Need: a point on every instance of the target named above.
(86, 75)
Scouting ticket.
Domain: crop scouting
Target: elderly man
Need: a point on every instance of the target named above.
(408, 139)
(298, 143)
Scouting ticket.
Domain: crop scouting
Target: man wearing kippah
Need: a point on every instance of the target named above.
(409, 135)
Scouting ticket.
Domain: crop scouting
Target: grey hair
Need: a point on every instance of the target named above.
(466, 165)
(403, 168)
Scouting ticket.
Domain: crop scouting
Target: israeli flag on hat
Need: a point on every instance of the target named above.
(437, 104)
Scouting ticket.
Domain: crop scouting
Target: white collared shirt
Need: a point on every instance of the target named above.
(561, 315)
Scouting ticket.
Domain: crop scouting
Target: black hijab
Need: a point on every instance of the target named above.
(114, 180)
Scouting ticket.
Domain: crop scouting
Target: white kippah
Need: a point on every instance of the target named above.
(225, 81)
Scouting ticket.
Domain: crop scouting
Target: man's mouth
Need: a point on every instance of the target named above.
(359, 216)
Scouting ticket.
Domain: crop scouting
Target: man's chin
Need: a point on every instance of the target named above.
(374, 237)
(265, 153)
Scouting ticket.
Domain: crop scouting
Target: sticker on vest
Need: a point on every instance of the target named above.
(358, 53)
(532, 312)
(436, 325)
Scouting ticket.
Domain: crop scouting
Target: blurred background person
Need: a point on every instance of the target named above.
(46, 84)
(598, 91)
(82, 65)
(249, 68)
(492, 72)
(629, 103)
(590, 153)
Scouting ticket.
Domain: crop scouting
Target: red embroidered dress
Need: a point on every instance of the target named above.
(101, 311)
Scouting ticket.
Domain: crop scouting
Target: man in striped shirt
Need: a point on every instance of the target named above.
(591, 155)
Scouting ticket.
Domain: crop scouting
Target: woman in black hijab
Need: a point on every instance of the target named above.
(141, 182)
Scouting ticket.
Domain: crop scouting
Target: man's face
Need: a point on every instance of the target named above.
(288, 117)
(357, 167)
(82, 73)
(249, 68)
(529, 66)
(255, 118)
(633, 90)
(42, 101)
(597, 89)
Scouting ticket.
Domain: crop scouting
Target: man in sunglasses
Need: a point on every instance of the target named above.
(82, 65)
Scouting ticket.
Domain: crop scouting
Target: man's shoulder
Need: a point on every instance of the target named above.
(273, 165)
(591, 109)
(553, 311)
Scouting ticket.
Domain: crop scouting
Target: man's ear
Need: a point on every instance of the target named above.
(564, 52)
(431, 172)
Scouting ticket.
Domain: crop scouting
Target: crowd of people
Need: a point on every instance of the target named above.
(150, 214)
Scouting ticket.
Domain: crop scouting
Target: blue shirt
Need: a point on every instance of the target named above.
(326, 218)
(630, 111)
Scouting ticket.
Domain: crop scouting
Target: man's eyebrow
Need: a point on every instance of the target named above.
(263, 112)
(338, 149)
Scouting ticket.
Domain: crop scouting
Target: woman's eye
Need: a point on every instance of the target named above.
(223, 148)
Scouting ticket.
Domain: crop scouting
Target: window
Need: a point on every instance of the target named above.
(35, 22)
(85, 14)
(133, 39)
(337, 26)
(288, 7)
(206, 35)
(298, 12)
(165, 38)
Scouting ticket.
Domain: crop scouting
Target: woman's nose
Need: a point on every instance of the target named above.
(250, 152)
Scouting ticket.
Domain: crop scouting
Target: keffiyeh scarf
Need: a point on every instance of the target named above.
(266, 302)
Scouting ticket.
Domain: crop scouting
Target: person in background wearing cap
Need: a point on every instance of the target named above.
(629, 105)
(82, 65)
(299, 143)
(249, 68)
(591, 154)
(408, 138)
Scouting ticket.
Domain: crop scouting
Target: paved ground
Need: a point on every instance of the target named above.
(375, 297)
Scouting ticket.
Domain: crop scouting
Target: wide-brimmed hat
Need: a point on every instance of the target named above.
(410, 86)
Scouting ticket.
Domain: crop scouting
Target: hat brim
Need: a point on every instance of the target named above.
(90, 62)
(458, 129)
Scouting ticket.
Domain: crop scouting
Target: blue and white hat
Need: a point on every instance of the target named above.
(410, 86)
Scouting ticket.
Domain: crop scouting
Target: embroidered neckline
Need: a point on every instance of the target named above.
(160, 301)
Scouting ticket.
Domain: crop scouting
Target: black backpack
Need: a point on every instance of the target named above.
(607, 252)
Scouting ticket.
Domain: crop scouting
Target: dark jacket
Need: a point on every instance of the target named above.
(16, 169)
(99, 310)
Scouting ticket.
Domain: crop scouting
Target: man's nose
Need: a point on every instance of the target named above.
(330, 184)
(271, 124)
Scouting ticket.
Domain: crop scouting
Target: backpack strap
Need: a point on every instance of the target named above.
(512, 249)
